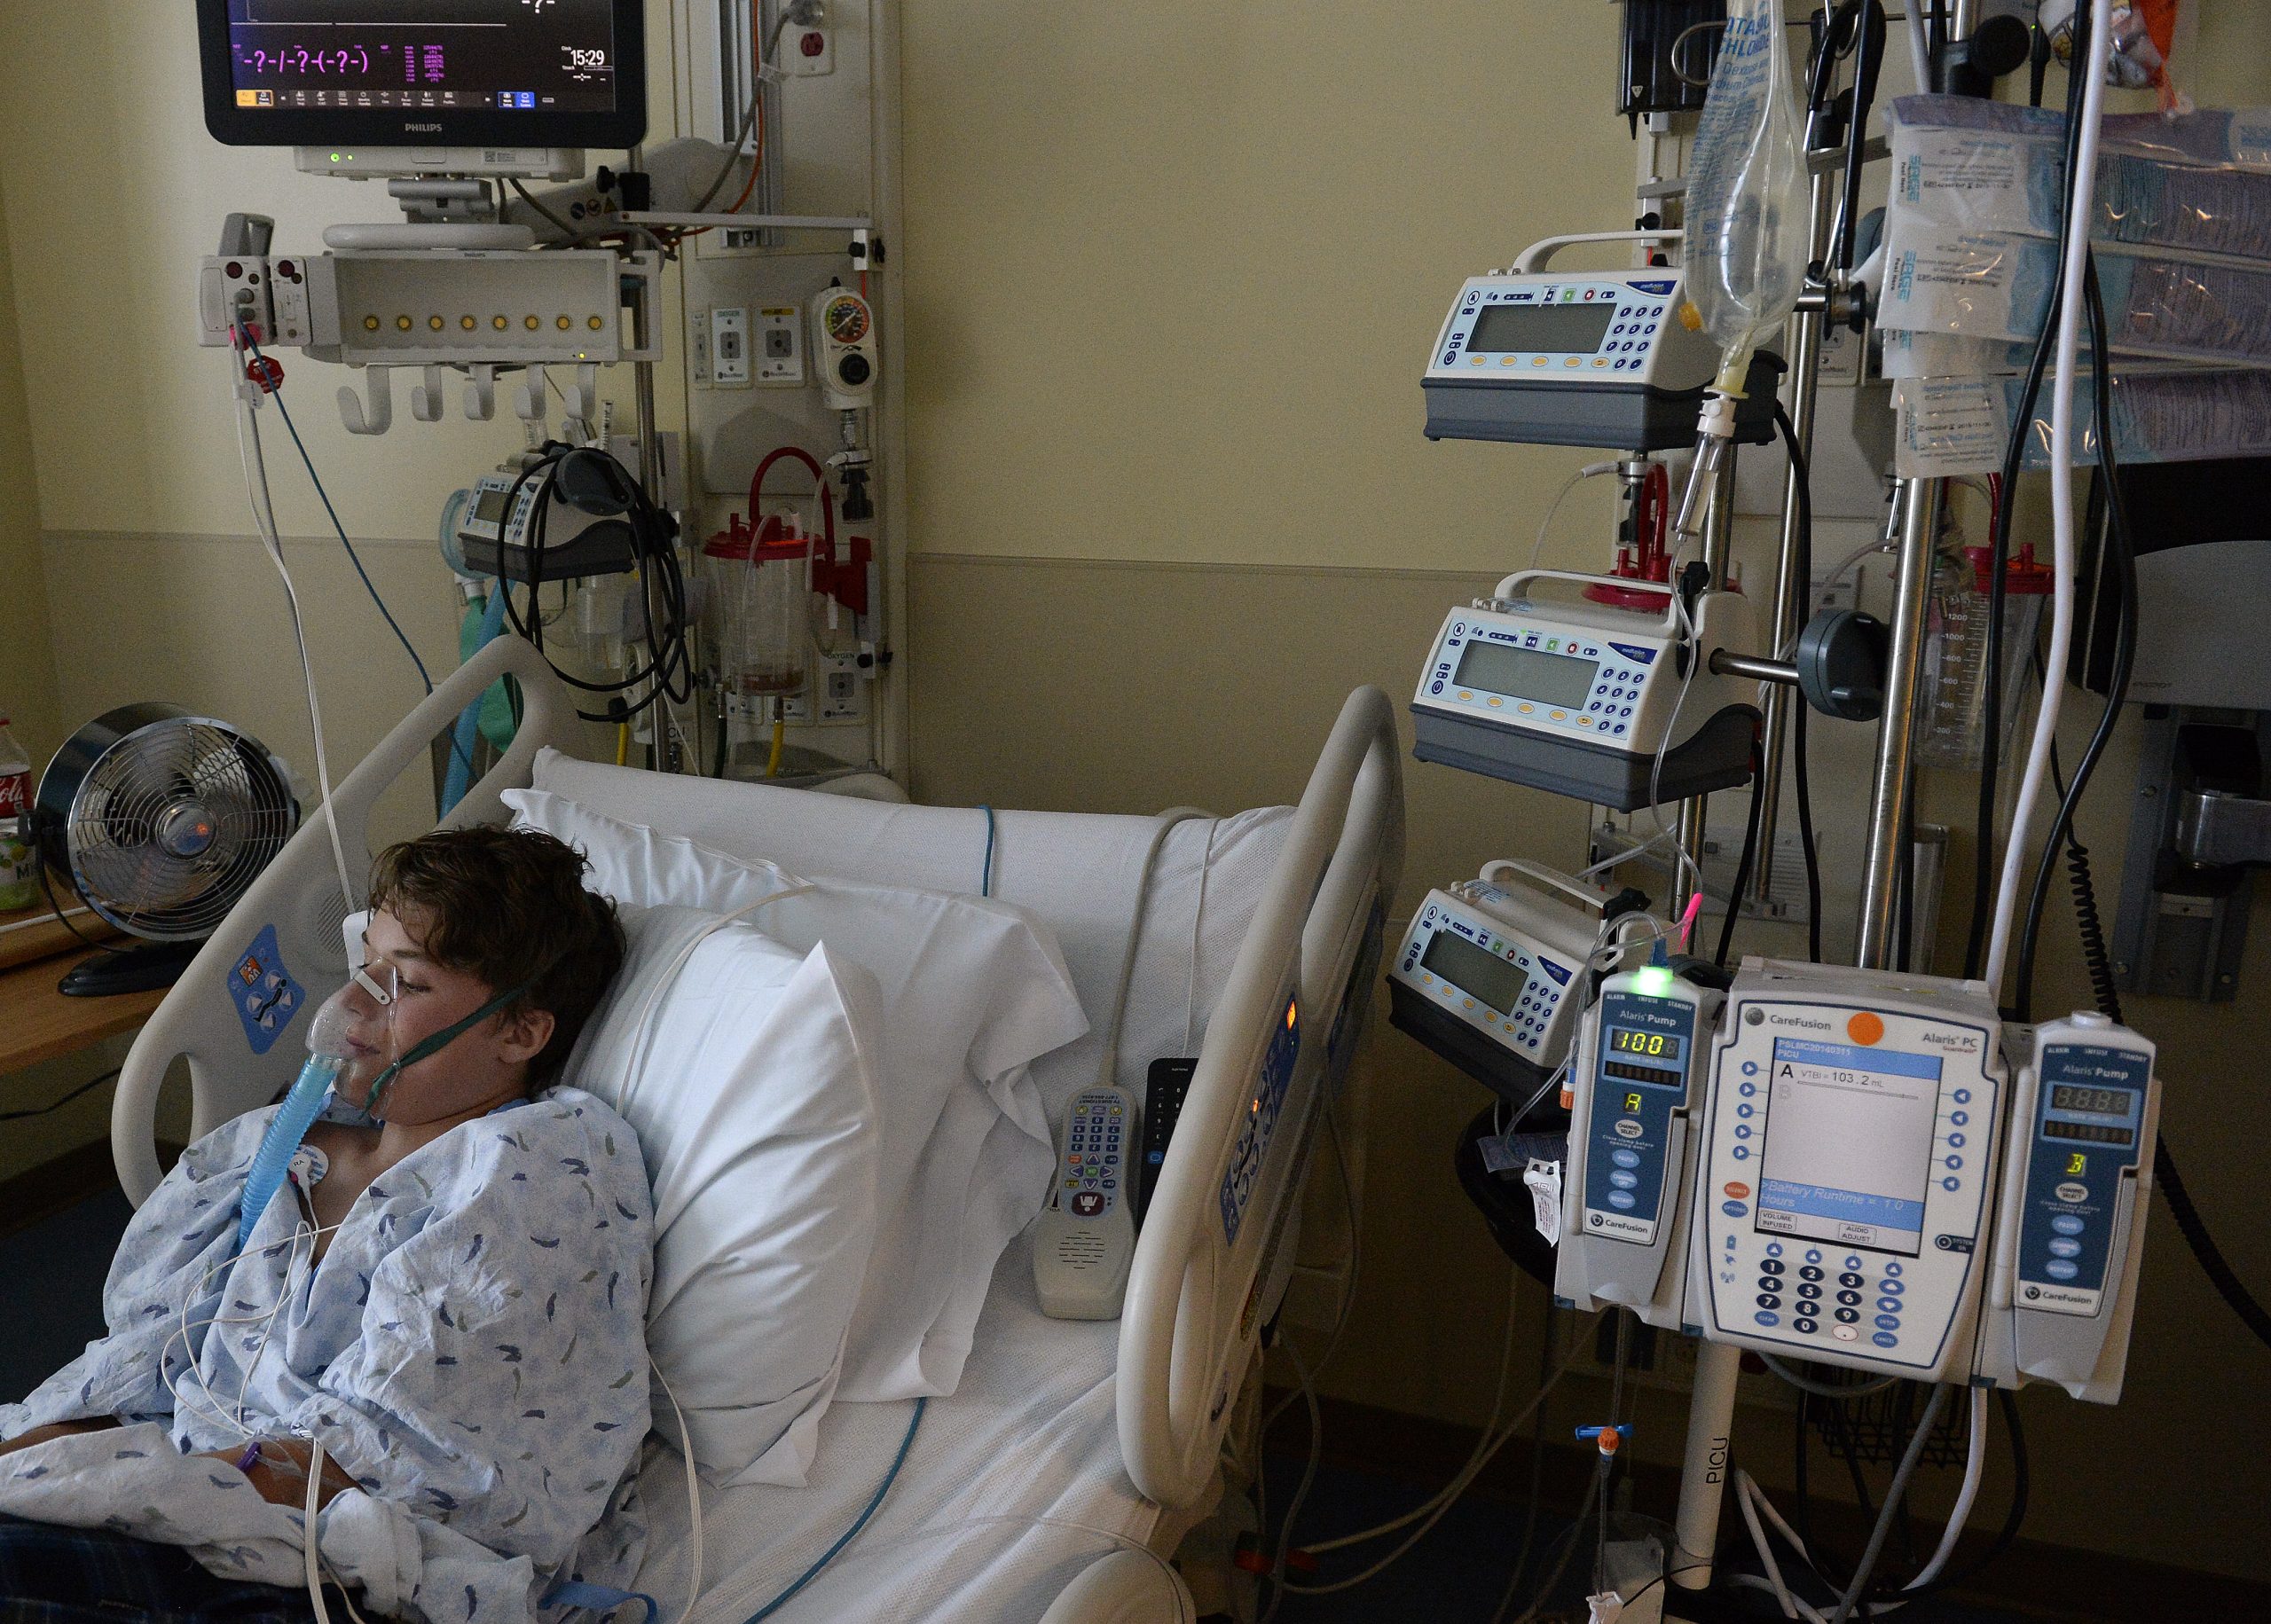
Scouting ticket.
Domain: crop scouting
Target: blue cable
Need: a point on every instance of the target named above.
(277, 394)
(985, 874)
(883, 1489)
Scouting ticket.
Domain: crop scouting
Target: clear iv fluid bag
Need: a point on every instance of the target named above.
(1748, 235)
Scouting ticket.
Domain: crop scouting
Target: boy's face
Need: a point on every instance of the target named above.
(490, 1059)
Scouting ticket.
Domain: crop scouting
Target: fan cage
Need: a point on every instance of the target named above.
(215, 791)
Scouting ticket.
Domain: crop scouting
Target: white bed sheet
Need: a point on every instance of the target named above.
(1013, 1485)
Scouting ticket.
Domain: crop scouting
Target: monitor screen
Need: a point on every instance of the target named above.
(1553, 329)
(1495, 981)
(417, 73)
(1847, 1156)
(1526, 673)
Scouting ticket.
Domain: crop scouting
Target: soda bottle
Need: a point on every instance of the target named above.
(19, 864)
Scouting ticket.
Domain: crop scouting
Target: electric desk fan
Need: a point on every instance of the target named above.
(160, 820)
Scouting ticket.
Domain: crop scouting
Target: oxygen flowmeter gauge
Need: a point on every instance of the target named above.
(844, 341)
(1850, 1151)
(1635, 1090)
(2076, 1186)
(1582, 699)
(1591, 358)
(1491, 976)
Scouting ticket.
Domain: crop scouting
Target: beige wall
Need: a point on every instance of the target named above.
(27, 665)
(1172, 273)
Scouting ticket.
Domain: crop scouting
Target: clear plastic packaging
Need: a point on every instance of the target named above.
(1950, 426)
(1748, 229)
(1955, 651)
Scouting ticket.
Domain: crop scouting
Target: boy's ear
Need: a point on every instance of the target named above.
(522, 1037)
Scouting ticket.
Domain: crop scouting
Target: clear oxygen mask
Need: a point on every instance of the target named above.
(351, 1047)
(1748, 231)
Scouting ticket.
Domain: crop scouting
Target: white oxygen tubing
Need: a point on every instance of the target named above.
(2092, 65)
(264, 518)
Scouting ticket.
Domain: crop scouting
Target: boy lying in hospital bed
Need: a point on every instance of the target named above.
(441, 1311)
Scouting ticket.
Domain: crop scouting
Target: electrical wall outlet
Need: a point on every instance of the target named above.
(807, 52)
(778, 346)
(729, 359)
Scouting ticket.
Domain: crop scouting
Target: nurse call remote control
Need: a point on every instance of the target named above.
(1085, 1238)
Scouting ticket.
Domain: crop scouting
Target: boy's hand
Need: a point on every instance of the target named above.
(281, 1474)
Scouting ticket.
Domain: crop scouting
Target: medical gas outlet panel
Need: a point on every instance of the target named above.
(1582, 699)
(1642, 1059)
(2078, 1184)
(1844, 1202)
(1490, 975)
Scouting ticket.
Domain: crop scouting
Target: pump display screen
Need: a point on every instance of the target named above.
(1489, 977)
(500, 56)
(1666, 1046)
(490, 507)
(1848, 1157)
(2097, 1101)
(1553, 329)
(1548, 679)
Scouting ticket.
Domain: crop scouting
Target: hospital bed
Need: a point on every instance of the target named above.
(1074, 1457)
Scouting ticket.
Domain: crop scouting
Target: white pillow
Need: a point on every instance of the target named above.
(749, 1082)
(973, 991)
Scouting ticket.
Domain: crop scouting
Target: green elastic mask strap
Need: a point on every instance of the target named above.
(427, 1046)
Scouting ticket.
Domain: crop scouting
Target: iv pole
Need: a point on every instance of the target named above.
(1917, 504)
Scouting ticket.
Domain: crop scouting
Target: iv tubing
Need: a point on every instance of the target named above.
(2084, 171)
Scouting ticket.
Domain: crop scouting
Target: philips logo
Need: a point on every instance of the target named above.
(423, 129)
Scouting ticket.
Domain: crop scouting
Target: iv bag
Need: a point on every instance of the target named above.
(1748, 234)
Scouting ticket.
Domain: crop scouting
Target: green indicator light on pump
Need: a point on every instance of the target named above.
(1655, 980)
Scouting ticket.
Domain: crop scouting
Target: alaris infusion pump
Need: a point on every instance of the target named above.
(1490, 975)
(1643, 1061)
(1849, 1197)
(1617, 707)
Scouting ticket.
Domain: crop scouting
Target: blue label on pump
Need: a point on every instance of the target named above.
(1658, 288)
(263, 992)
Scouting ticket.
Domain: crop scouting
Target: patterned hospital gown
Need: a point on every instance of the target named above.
(471, 1346)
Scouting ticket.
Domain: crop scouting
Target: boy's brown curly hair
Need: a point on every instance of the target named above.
(509, 906)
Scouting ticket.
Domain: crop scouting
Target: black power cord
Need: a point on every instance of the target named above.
(1798, 764)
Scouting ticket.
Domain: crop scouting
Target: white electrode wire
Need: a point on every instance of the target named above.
(692, 1496)
(2083, 177)
(264, 518)
(1975, 1464)
(1451, 1492)
(310, 1545)
(1920, 48)
(187, 1325)
(1545, 525)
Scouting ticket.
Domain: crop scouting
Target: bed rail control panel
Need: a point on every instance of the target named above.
(2078, 1183)
(1850, 1151)
(1085, 1237)
(1635, 1088)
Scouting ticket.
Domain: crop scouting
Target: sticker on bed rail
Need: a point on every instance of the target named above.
(263, 992)
(1260, 1122)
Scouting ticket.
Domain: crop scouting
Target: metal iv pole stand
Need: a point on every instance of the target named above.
(1711, 1416)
